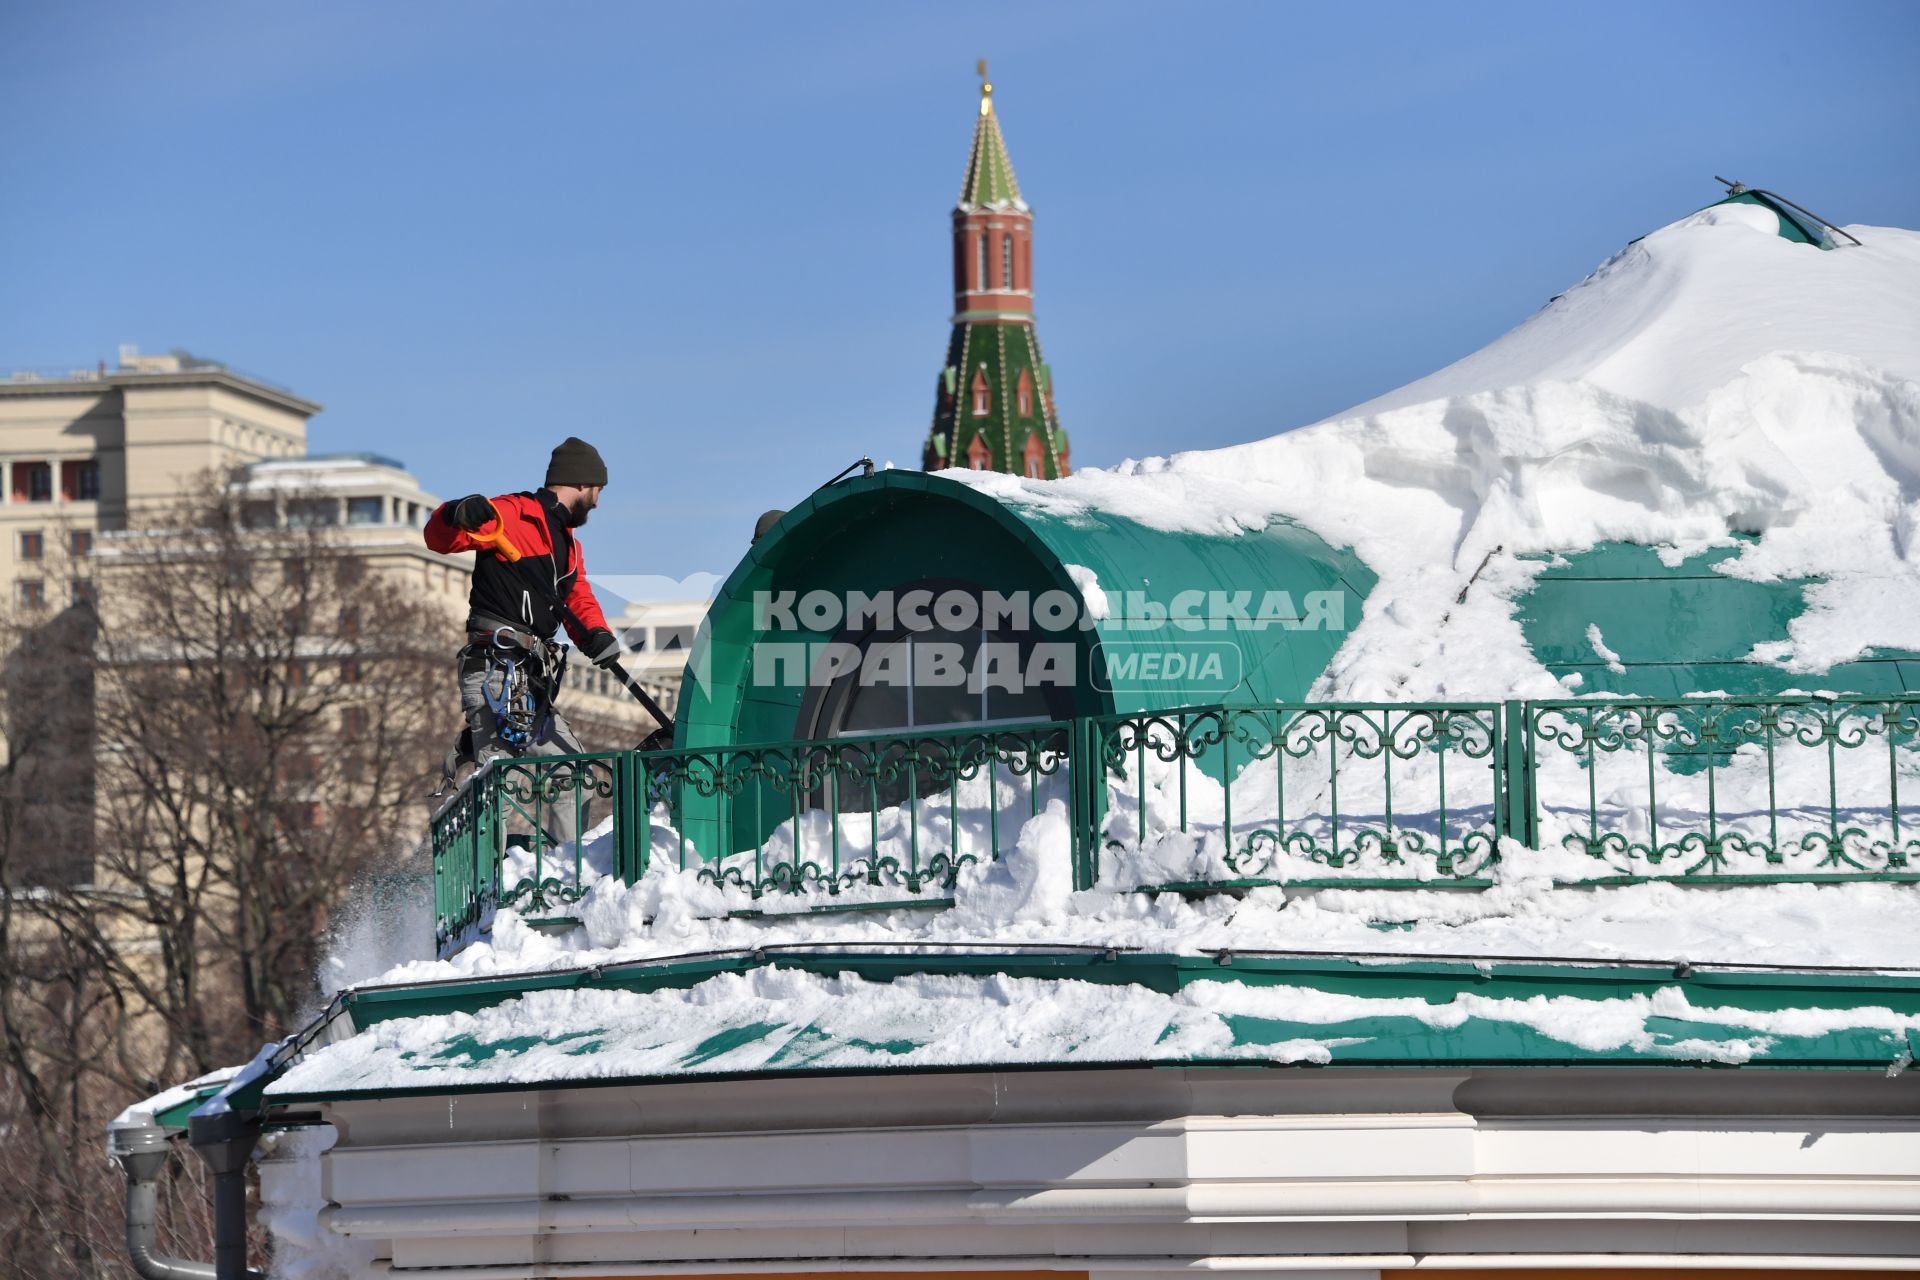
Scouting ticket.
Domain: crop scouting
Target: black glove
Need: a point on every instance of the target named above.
(471, 512)
(601, 647)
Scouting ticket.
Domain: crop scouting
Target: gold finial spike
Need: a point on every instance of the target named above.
(986, 87)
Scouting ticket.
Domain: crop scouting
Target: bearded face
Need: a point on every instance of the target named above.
(581, 506)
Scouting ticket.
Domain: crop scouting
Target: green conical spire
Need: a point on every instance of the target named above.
(989, 182)
(993, 404)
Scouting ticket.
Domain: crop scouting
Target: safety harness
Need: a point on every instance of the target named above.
(523, 675)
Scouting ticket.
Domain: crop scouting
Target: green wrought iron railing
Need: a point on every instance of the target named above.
(1313, 794)
(525, 833)
(851, 817)
(1717, 790)
(1727, 790)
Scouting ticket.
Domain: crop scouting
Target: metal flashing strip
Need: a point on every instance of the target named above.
(1387, 1039)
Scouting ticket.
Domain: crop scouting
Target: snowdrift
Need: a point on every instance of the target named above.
(1712, 378)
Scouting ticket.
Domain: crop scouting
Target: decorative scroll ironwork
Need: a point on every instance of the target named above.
(1370, 793)
(1729, 789)
(1695, 790)
(905, 812)
(510, 837)
(465, 861)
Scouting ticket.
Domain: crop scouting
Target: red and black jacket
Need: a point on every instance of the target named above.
(551, 567)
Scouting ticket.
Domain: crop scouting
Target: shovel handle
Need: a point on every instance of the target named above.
(498, 538)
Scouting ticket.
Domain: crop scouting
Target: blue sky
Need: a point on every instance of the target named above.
(712, 239)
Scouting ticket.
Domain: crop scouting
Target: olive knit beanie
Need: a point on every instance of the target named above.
(576, 462)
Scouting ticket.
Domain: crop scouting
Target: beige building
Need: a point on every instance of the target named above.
(658, 635)
(80, 451)
(377, 506)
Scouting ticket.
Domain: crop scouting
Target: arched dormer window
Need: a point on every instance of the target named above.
(1023, 393)
(1033, 454)
(982, 393)
(978, 455)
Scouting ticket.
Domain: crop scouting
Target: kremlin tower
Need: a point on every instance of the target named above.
(993, 409)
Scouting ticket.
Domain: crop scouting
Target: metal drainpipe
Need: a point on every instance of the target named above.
(141, 1153)
(225, 1141)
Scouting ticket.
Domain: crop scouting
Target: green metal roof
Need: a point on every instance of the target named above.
(1793, 226)
(989, 179)
(999, 355)
(1681, 628)
(175, 1116)
(897, 528)
(1472, 1023)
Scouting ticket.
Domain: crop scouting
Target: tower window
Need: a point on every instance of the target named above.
(1023, 394)
(982, 393)
(983, 260)
(1006, 261)
(978, 455)
(1033, 455)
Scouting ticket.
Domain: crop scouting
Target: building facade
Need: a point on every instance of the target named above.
(659, 638)
(82, 451)
(993, 405)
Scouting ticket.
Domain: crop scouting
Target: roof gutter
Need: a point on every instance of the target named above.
(223, 1130)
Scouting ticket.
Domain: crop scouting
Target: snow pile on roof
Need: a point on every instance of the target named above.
(1711, 378)
(775, 1019)
(145, 1113)
(1026, 898)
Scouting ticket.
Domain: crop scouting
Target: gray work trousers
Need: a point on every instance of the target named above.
(558, 817)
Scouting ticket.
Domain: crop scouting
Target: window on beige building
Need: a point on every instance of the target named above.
(313, 513)
(32, 593)
(33, 544)
(82, 591)
(82, 543)
(32, 482)
(80, 480)
(366, 510)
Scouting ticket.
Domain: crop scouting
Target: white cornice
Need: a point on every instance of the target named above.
(1134, 1173)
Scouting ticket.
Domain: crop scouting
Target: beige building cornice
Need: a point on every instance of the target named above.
(186, 378)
